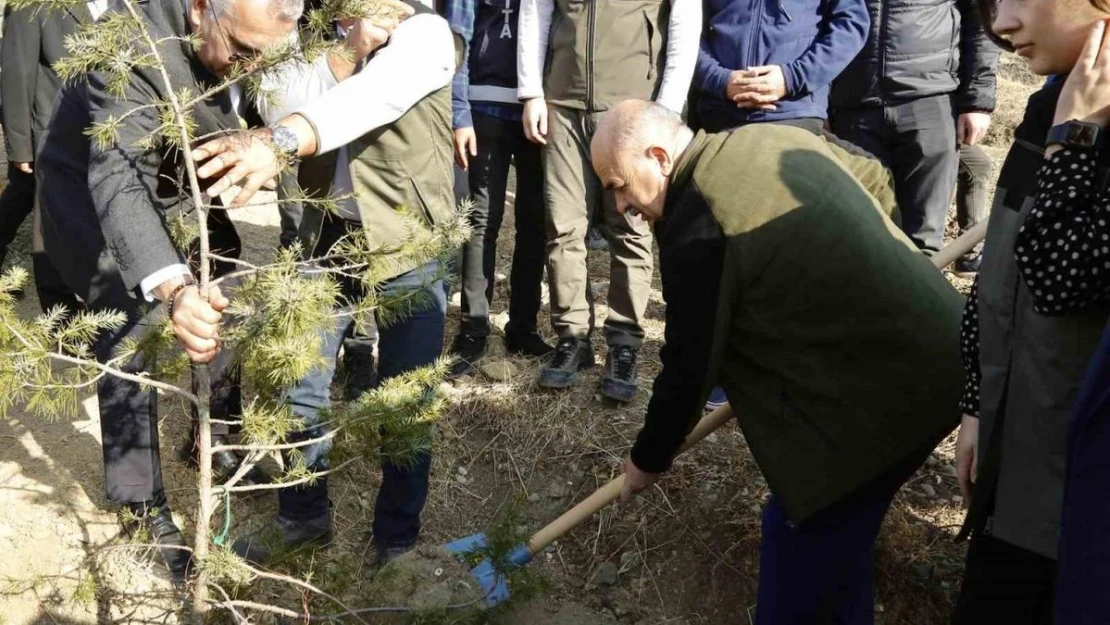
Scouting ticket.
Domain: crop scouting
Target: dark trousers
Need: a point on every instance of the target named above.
(1004, 583)
(410, 343)
(973, 181)
(501, 142)
(917, 141)
(128, 412)
(17, 202)
(820, 571)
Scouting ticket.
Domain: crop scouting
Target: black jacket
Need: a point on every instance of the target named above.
(920, 48)
(34, 39)
(108, 206)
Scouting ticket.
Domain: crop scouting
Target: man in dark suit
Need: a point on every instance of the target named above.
(104, 227)
(34, 40)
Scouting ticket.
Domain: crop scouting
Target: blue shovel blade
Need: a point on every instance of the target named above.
(492, 582)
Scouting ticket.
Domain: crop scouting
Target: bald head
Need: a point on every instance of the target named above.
(634, 150)
(632, 127)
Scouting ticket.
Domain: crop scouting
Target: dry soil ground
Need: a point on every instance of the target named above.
(685, 553)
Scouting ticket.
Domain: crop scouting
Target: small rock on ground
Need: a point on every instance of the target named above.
(499, 370)
(608, 574)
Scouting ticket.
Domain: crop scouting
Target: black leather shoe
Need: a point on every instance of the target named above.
(466, 349)
(619, 382)
(226, 463)
(282, 535)
(571, 356)
(154, 524)
(526, 343)
(359, 374)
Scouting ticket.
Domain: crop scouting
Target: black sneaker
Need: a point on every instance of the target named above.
(466, 349)
(526, 343)
(359, 374)
(619, 382)
(282, 535)
(150, 523)
(968, 265)
(571, 356)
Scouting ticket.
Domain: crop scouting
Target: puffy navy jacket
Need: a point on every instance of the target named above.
(812, 40)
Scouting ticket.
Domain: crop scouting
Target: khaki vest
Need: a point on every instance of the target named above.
(405, 166)
(601, 52)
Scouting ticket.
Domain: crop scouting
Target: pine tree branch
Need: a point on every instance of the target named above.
(239, 618)
(278, 447)
(309, 587)
(245, 466)
(304, 480)
(259, 607)
(138, 379)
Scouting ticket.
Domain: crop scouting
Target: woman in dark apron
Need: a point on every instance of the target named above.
(1036, 313)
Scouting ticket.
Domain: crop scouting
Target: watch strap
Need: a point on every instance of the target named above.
(1075, 134)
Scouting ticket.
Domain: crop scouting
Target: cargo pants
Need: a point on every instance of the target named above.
(573, 193)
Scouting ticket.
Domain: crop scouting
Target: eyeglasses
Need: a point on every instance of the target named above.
(241, 53)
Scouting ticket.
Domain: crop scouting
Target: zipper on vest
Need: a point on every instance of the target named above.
(757, 27)
(591, 7)
(651, 47)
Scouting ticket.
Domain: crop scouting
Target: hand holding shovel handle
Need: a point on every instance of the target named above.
(611, 491)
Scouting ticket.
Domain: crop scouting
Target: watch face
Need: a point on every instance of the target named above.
(284, 139)
(1082, 134)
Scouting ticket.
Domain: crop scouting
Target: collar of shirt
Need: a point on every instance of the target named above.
(97, 8)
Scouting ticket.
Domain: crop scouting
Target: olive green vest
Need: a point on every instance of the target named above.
(601, 52)
(404, 166)
(837, 341)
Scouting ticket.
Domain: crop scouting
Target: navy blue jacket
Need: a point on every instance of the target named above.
(1084, 574)
(812, 40)
(487, 76)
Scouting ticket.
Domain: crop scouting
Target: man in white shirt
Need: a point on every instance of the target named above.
(575, 60)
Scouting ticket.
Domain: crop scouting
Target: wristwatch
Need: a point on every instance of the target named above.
(285, 139)
(1075, 134)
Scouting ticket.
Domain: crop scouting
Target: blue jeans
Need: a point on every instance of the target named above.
(413, 342)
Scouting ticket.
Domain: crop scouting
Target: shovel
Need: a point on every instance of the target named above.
(493, 583)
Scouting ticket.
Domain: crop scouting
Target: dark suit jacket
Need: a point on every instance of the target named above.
(122, 192)
(34, 39)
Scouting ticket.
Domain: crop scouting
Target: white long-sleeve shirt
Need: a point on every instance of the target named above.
(419, 59)
(683, 38)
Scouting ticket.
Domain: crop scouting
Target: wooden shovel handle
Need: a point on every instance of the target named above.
(611, 491)
(962, 245)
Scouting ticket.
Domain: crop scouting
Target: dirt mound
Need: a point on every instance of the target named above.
(426, 579)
